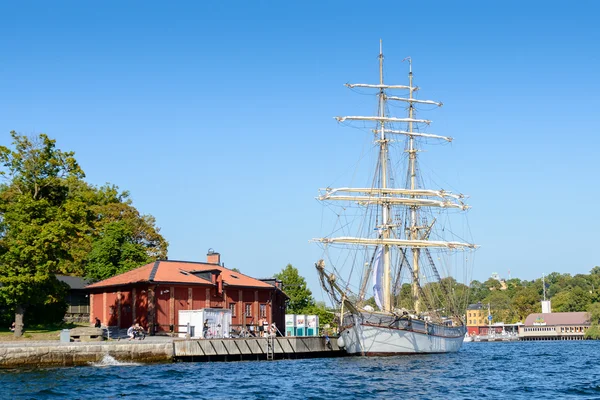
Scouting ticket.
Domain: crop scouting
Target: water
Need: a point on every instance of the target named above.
(520, 370)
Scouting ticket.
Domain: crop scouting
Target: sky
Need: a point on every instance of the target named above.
(217, 117)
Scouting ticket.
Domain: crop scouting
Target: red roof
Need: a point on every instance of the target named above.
(559, 318)
(182, 272)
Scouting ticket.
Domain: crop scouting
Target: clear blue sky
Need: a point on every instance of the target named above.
(217, 116)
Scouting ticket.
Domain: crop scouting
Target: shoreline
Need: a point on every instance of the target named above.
(160, 349)
(56, 354)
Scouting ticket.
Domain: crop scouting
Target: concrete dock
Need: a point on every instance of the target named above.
(163, 349)
(254, 349)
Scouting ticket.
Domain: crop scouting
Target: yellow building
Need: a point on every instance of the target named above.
(476, 316)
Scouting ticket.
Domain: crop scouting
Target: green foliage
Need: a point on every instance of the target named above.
(115, 251)
(34, 224)
(525, 301)
(301, 300)
(521, 298)
(593, 332)
(52, 309)
(478, 292)
(51, 222)
(594, 312)
(294, 285)
(575, 299)
(492, 284)
(319, 308)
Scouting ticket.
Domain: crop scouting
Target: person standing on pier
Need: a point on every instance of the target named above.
(261, 329)
(265, 325)
(205, 329)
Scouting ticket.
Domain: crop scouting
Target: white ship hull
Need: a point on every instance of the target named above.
(372, 340)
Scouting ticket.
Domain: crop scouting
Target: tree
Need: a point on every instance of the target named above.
(51, 221)
(319, 308)
(294, 285)
(500, 305)
(34, 223)
(478, 292)
(493, 284)
(594, 314)
(575, 299)
(114, 252)
(524, 302)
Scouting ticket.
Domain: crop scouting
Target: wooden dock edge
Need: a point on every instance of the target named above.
(254, 349)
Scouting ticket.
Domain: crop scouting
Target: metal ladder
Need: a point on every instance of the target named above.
(270, 347)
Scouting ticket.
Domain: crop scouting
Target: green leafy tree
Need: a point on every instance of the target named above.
(594, 314)
(575, 299)
(493, 284)
(478, 292)
(52, 222)
(34, 223)
(294, 285)
(500, 305)
(115, 252)
(525, 301)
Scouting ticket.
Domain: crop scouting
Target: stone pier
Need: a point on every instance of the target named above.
(52, 354)
(163, 349)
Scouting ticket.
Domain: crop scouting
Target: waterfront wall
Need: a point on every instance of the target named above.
(50, 355)
(255, 348)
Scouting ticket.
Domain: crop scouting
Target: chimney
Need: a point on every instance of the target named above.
(213, 257)
(546, 307)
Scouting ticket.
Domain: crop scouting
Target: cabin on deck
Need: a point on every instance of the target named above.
(152, 295)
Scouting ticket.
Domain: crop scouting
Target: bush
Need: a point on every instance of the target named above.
(593, 332)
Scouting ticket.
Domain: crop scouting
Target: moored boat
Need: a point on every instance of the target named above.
(395, 299)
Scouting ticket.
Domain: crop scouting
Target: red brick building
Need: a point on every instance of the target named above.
(153, 295)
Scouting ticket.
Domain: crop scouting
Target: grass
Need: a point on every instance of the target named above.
(37, 332)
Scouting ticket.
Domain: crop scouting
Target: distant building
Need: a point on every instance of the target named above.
(153, 295)
(78, 298)
(476, 316)
(555, 326)
(497, 277)
(479, 324)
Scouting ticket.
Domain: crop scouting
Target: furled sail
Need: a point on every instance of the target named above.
(378, 279)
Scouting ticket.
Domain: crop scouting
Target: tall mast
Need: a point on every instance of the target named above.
(412, 158)
(385, 207)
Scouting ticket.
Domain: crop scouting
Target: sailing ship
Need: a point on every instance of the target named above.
(415, 305)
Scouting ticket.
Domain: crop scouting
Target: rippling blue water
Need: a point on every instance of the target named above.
(520, 370)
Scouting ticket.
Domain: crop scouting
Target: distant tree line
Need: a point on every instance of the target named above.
(513, 300)
(53, 222)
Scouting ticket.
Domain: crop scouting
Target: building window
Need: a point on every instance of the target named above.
(263, 311)
(232, 307)
(248, 309)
